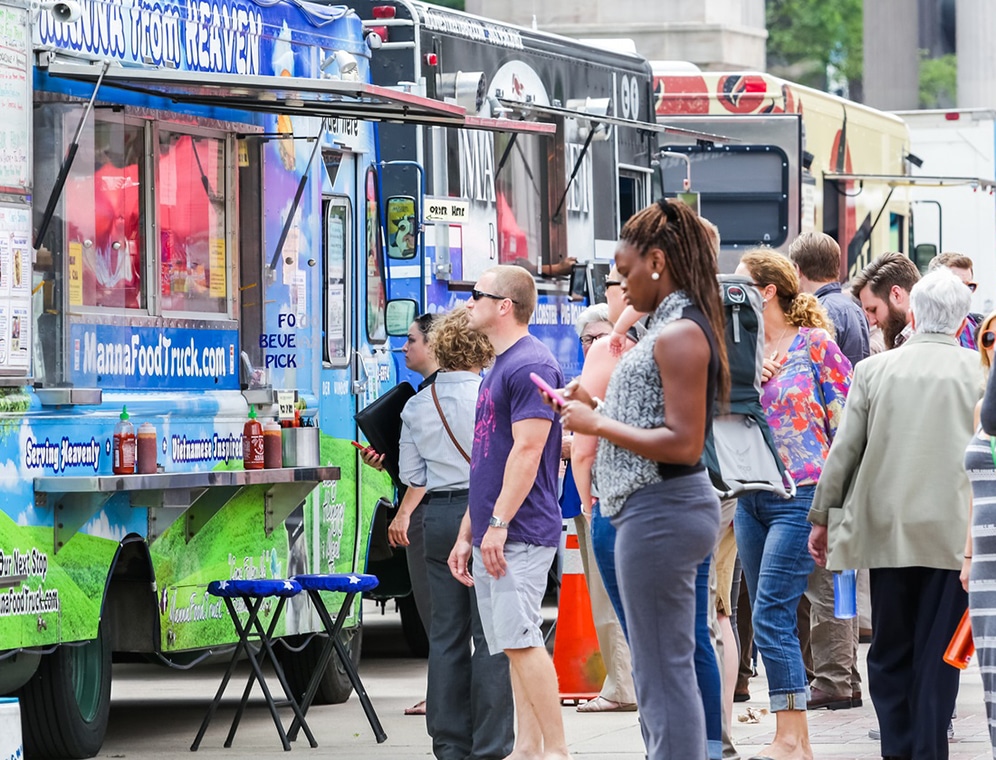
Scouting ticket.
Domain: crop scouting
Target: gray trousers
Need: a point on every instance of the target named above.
(469, 708)
(415, 559)
(664, 532)
(833, 642)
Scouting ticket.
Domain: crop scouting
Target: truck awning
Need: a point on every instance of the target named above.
(289, 95)
(518, 105)
(902, 180)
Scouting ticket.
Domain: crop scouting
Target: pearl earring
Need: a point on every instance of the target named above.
(655, 276)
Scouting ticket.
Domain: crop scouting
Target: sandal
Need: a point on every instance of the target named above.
(601, 704)
(416, 709)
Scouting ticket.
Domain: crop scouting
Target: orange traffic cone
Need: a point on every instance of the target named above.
(580, 669)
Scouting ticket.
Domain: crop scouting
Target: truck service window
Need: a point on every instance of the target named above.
(521, 196)
(190, 201)
(743, 190)
(105, 219)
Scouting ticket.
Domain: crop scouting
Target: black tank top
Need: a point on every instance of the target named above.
(694, 314)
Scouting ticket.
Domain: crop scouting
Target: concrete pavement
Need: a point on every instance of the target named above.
(155, 714)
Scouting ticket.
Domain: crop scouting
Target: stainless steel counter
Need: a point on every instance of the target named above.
(168, 496)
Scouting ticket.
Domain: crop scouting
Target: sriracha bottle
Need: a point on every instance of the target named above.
(124, 446)
(252, 442)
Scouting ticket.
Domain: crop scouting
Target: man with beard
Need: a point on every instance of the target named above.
(883, 288)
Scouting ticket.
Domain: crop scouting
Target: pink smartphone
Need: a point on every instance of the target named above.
(548, 389)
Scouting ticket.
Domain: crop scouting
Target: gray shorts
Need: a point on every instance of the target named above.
(510, 605)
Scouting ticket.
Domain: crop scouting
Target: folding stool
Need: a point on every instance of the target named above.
(350, 584)
(253, 593)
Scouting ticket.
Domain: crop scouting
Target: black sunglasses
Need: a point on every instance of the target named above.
(972, 286)
(988, 339)
(477, 295)
(587, 340)
(612, 283)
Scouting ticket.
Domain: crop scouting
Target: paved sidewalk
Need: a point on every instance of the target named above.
(155, 714)
(833, 734)
(844, 733)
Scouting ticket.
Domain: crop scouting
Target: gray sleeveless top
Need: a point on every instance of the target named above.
(634, 396)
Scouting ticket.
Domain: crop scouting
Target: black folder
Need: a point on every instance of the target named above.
(380, 423)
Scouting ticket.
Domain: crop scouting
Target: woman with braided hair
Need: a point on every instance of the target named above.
(804, 383)
(649, 474)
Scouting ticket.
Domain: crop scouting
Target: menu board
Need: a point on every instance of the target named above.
(15, 290)
(15, 100)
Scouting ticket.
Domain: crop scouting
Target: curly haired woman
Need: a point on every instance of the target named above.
(805, 381)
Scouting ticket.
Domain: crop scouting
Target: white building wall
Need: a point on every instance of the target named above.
(975, 28)
(892, 57)
(714, 34)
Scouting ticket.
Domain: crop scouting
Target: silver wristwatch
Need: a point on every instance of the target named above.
(497, 522)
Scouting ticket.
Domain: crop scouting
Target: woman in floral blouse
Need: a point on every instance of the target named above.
(805, 381)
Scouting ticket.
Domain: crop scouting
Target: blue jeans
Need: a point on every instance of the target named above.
(772, 538)
(706, 665)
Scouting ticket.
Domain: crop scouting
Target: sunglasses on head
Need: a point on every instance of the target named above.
(988, 339)
(477, 295)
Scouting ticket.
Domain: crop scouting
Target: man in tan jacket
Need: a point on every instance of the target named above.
(894, 497)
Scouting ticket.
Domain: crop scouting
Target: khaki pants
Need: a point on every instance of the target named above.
(833, 642)
(618, 685)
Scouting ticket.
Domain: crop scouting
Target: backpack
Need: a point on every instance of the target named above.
(740, 454)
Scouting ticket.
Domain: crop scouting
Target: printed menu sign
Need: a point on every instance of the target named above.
(15, 100)
(15, 290)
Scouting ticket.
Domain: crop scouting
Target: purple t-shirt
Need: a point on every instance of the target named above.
(507, 395)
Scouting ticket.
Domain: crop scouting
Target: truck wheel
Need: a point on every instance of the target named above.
(411, 625)
(65, 705)
(335, 687)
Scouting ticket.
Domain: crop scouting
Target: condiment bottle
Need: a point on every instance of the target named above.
(272, 445)
(252, 442)
(124, 445)
(147, 448)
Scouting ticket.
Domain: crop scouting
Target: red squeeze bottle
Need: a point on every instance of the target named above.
(962, 646)
(252, 442)
(124, 446)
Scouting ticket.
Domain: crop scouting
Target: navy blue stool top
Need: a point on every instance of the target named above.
(345, 582)
(253, 592)
(257, 587)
